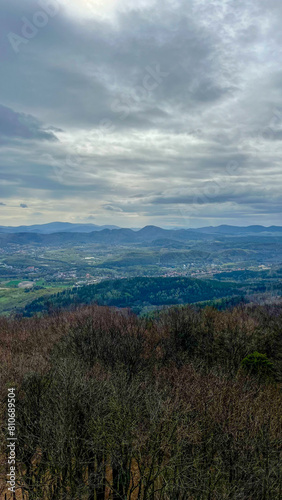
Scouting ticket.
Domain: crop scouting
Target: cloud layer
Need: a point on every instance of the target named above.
(166, 112)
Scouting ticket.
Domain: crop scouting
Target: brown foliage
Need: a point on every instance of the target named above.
(121, 407)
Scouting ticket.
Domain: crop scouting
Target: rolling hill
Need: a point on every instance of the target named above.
(137, 293)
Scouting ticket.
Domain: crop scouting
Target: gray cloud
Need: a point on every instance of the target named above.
(160, 100)
(23, 205)
(20, 125)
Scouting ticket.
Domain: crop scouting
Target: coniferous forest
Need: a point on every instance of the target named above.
(182, 405)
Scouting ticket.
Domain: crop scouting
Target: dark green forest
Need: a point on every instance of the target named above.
(139, 293)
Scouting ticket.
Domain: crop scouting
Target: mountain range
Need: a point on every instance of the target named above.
(70, 234)
(55, 227)
(68, 227)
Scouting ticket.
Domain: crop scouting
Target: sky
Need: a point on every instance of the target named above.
(146, 112)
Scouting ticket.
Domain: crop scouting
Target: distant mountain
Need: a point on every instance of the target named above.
(55, 227)
(237, 230)
(148, 235)
(102, 237)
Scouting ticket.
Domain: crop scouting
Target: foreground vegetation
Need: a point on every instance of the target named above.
(186, 405)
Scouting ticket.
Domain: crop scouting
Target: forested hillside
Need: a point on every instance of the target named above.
(185, 405)
(141, 293)
(137, 293)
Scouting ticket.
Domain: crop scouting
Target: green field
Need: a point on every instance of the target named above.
(13, 298)
(12, 283)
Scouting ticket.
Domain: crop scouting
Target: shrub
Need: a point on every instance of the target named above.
(258, 364)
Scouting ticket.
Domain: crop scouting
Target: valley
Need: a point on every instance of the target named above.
(36, 265)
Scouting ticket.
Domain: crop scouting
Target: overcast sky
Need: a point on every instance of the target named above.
(145, 112)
